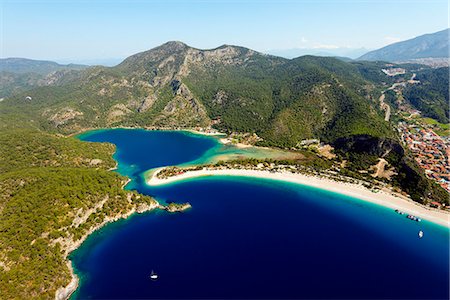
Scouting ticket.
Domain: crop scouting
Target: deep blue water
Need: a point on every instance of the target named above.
(254, 238)
(138, 150)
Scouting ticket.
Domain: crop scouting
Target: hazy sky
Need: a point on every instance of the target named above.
(82, 30)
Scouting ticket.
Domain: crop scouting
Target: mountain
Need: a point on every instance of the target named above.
(174, 85)
(333, 52)
(103, 61)
(21, 74)
(434, 45)
(43, 67)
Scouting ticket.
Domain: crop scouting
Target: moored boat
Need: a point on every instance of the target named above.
(153, 276)
(414, 218)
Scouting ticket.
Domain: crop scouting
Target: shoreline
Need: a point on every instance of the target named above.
(194, 131)
(149, 128)
(227, 141)
(66, 292)
(384, 197)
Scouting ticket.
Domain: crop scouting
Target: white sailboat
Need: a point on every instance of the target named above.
(153, 276)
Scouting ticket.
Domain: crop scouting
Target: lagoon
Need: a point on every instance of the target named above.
(252, 238)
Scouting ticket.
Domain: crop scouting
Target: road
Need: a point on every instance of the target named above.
(385, 107)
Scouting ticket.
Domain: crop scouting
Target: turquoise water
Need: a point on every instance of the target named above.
(253, 238)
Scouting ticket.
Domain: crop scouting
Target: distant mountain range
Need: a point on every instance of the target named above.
(21, 74)
(427, 46)
(43, 67)
(350, 53)
(433, 47)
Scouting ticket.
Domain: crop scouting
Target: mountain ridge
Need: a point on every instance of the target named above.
(431, 45)
(43, 67)
(175, 85)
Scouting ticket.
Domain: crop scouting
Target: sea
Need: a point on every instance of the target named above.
(251, 238)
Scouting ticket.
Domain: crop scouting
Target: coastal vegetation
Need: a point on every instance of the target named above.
(350, 167)
(279, 166)
(30, 148)
(53, 191)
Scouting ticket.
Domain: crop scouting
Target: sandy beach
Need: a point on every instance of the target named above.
(215, 133)
(385, 198)
(227, 141)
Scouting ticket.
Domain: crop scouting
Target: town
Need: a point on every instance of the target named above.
(430, 150)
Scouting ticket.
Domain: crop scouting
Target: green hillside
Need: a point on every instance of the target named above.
(46, 183)
(283, 101)
(431, 96)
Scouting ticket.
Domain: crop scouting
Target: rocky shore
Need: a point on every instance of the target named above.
(176, 207)
(68, 245)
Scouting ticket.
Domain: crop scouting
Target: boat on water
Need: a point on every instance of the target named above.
(153, 276)
(399, 212)
(414, 218)
(420, 234)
